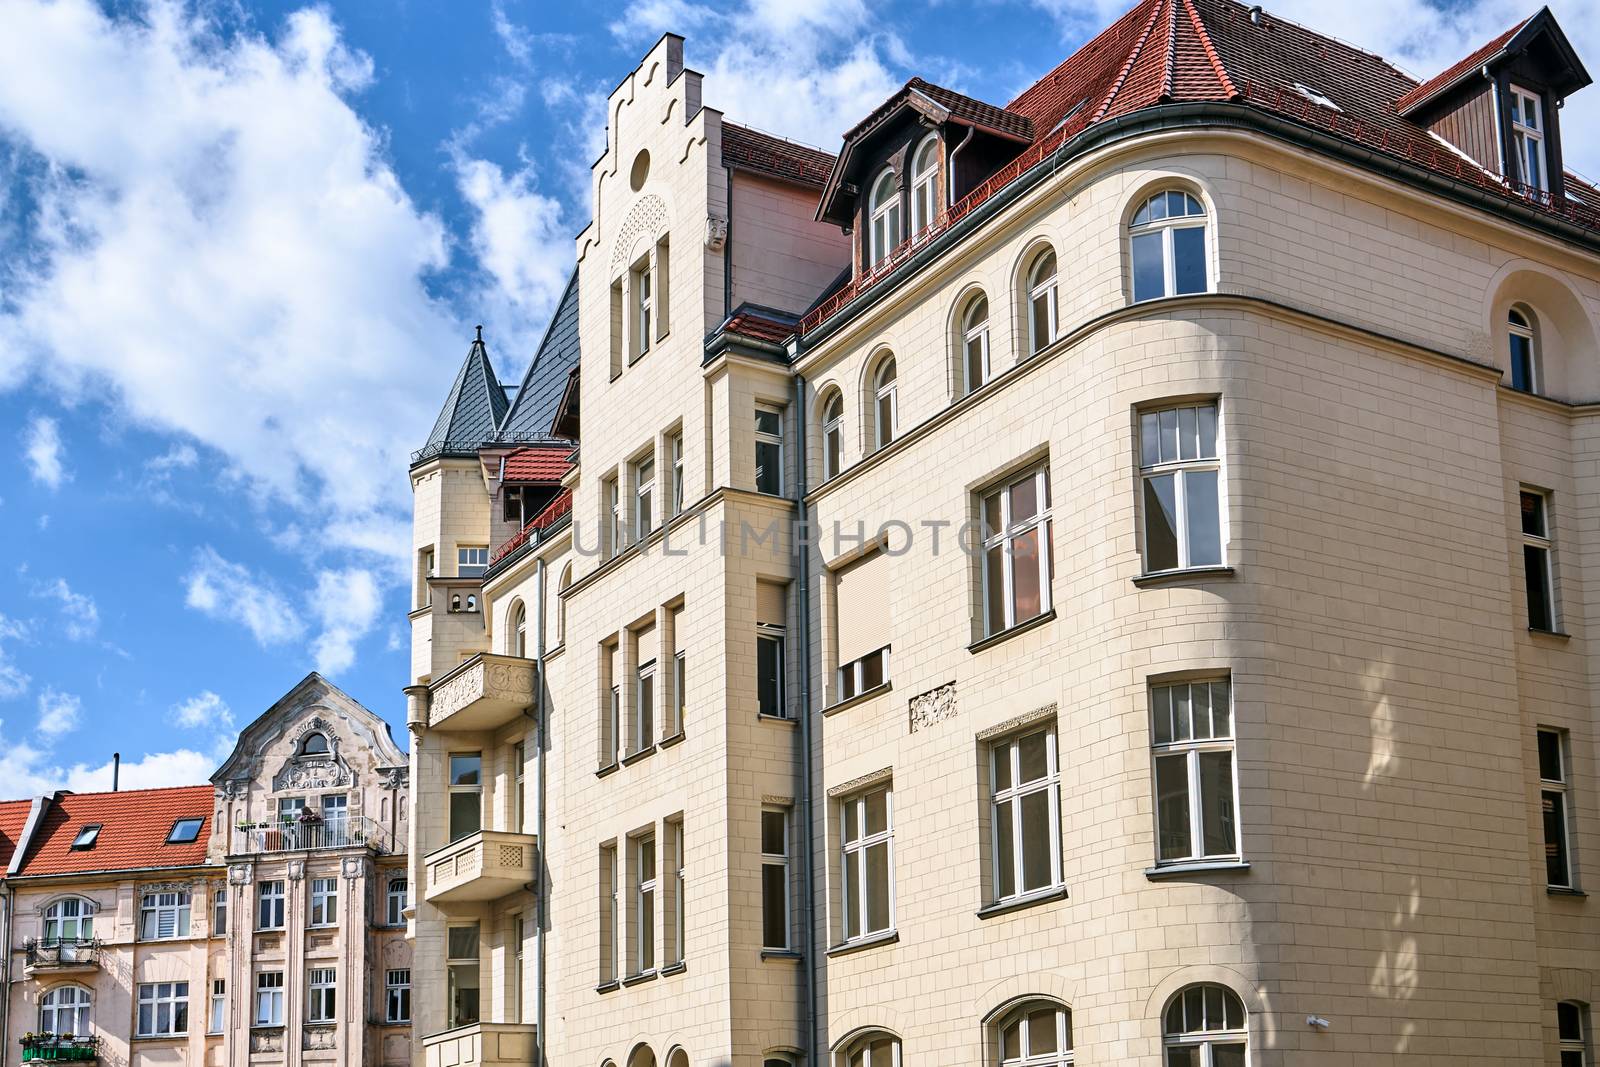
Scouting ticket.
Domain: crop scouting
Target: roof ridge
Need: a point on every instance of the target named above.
(73, 795)
(1172, 52)
(1462, 67)
(1128, 64)
(1211, 49)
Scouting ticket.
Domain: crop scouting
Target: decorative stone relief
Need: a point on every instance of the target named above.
(166, 887)
(266, 1040)
(505, 681)
(297, 870)
(302, 774)
(320, 1037)
(352, 867)
(933, 707)
(716, 233)
(241, 873)
(649, 216)
(394, 777)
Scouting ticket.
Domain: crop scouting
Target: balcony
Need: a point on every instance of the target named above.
(486, 865)
(48, 955)
(480, 1044)
(261, 838)
(484, 693)
(64, 1047)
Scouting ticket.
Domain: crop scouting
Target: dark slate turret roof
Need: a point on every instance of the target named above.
(475, 407)
(535, 406)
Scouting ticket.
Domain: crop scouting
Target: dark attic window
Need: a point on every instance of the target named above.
(185, 831)
(86, 838)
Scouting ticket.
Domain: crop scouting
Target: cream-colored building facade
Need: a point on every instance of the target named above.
(1181, 657)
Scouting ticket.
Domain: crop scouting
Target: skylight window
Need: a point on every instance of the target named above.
(86, 838)
(185, 831)
(1316, 97)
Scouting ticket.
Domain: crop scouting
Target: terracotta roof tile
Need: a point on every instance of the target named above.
(134, 825)
(974, 111)
(538, 464)
(761, 153)
(1452, 74)
(13, 817)
(760, 325)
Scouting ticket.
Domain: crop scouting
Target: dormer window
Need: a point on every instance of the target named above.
(86, 838)
(883, 209)
(925, 184)
(314, 745)
(1527, 139)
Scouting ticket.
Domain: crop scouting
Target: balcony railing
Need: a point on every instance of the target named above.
(303, 836)
(483, 866)
(62, 1047)
(483, 693)
(47, 953)
(481, 1044)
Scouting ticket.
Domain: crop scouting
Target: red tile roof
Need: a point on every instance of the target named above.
(134, 825)
(538, 464)
(753, 323)
(558, 508)
(1453, 74)
(773, 157)
(13, 817)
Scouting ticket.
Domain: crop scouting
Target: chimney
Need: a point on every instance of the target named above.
(116, 769)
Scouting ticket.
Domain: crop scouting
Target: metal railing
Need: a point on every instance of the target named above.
(300, 836)
(63, 1047)
(62, 952)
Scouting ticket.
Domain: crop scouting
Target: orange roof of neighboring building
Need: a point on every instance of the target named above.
(13, 817)
(538, 464)
(134, 825)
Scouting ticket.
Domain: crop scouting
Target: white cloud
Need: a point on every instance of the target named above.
(178, 457)
(347, 604)
(225, 590)
(41, 444)
(514, 39)
(80, 617)
(29, 771)
(205, 708)
(59, 713)
(13, 681)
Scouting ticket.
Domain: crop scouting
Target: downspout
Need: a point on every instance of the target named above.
(542, 882)
(950, 168)
(803, 585)
(727, 251)
(5, 986)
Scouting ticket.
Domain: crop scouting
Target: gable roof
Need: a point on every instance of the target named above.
(13, 818)
(547, 464)
(472, 410)
(773, 157)
(311, 691)
(134, 825)
(1455, 73)
(546, 377)
(1541, 24)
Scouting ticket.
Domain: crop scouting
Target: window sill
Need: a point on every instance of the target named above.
(610, 768)
(634, 757)
(1038, 896)
(175, 1037)
(860, 698)
(781, 954)
(673, 968)
(861, 944)
(668, 742)
(608, 987)
(762, 716)
(1556, 635)
(1183, 870)
(640, 978)
(1188, 574)
(1564, 891)
(1005, 635)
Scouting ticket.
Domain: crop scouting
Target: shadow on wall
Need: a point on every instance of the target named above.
(1564, 332)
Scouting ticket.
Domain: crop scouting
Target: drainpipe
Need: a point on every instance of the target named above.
(727, 251)
(5, 980)
(950, 168)
(807, 866)
(542, 882)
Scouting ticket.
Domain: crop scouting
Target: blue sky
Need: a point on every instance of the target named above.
(242, 246)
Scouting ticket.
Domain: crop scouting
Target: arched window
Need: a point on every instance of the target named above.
(1524, 350)
(1042, 302)
(64, 1011)
(1572, 1029)
(68, 920)
(872, 1050)
(832, 435)
(642, 1057)
(472, 602)
(315, 744)
(885, 403)
(561, 606)
(677, 1058)
(975, 344)
(883, 209)
(1038, 1034)
(1167, 246)
(519, 630)
(925, 184)
(1205, 1027)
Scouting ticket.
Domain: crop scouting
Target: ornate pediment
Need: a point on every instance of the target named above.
(303, 774)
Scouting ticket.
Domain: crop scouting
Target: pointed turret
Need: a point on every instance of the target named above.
(472, 411)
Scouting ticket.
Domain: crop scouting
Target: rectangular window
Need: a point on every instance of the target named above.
(269, 906)
(775, 878)
(466, 794)
(610, 933)
(675, 450)
(163, 1009)
(865, 674)
(866, 826)
(1538, 560)
(425, 570)
(164, 916)
(611, 497)
(1017, 553)
(1527, 139)
(397, 996)
(519, 974)
(644, 707)
(1193, 748)
(219, 910)
(324, 902)
(769, 450)
(1556, 807)
(1572, 1031)
(395, 901)
(680, 689)
(644, 897)
(471, 561)
(219, 1006)
(1181, 475)
(644, 489)
(675, 938)
(322, 999)
(519, 778)
(461, 964)
(641, 282)
(1025, 814)
(861, 608)
(269, 998)
(769, 671)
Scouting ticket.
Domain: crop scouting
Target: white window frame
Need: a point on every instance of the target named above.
(1546, 543)
(269, 998)
(614, 727)
(885, 401)
(851, 678)
(680, 685)
(218, 1021)
(1167, 228)
(772, 441)
(156, 996)
(1005, 538)
(975, 344)
(471, 560)
(775, 635)
(611, 936)
(779, 860)
(158, 908)
(1180, 471)
(644, 707)
(322, 995)
(612, 494)
(219, 910)
(1043, 286)
(1191, 748)
(1009, 748)
(455, 790)
(863, 1046)
(69, 920)
(473, 963)
(1529, 137)
(644, 902)
(925, 184)
(832, 435)
(324, 909)
(679, 909)
(1519, 325)
(1022, 1017)
(858, 847)
(675, 453)
(397, 995)
(1203, 1038)
(80, 1010)
(642, 282)
(1559, 789)
(519, 783)
(883, 218)
(644, 488)
(397, 894)
(270, 904)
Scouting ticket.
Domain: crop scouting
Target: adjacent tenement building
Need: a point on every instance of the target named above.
(1096, 580)
(256, 920)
